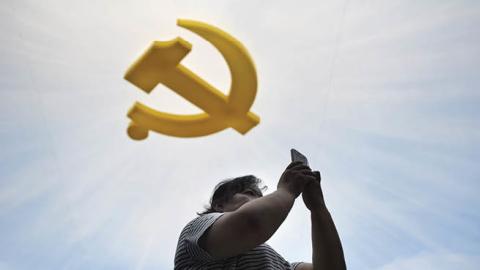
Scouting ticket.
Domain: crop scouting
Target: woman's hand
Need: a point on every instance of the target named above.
(312, 194)
(295, 177)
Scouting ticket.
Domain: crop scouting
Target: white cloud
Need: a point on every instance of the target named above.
(4, 266)
(435, 261)
(64, 103)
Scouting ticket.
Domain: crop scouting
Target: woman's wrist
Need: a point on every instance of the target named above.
(287, 194)
(320, 210)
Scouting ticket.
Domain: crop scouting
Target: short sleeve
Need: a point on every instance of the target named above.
(294, 265)
(192, 233)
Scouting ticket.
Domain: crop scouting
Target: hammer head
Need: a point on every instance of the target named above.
(156, 62)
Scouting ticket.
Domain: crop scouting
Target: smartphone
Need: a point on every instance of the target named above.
(297, 156)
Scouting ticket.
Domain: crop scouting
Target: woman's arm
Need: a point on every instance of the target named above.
(327, 248)
(327, 253)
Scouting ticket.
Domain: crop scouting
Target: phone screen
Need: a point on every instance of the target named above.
(297, 156)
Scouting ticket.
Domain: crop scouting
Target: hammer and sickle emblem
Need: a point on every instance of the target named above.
(161, 64)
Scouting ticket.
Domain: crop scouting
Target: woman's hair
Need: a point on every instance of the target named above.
(225, 190)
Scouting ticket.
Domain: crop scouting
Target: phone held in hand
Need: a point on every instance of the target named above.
(297, 156)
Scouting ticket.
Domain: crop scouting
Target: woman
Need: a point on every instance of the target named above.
(231, 233)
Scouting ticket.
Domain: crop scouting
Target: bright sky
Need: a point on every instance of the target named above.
(382, 96)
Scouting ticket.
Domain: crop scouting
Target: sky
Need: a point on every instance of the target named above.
(381, 96)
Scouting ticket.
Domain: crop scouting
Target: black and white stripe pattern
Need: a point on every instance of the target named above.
(189, 255)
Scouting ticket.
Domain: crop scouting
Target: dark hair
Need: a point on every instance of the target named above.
(225, 190)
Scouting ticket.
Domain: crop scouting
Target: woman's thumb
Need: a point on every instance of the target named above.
(317, 176)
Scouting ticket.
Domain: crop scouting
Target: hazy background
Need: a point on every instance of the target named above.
(382, 96)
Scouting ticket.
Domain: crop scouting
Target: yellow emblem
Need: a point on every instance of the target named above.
(161, 64)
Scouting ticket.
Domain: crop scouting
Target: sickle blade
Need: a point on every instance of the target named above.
(186, 126)
(242, 69)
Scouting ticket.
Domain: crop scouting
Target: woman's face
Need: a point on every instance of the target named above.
(239, 199)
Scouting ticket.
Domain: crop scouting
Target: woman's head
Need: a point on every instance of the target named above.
(230, 194)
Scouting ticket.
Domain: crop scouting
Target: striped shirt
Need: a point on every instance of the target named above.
(190, 256)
